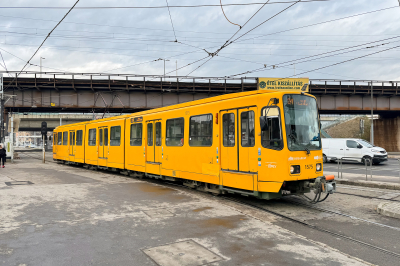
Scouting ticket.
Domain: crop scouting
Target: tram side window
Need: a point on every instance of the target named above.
(175, 132)
(247, 129)
(55, 139)
(92, 137)
(72, 138)
(79, 137)
(136, 135)
(59, 138)
(228, 121)
(158, 133)
(115, 138)
(271, 134)
(200, 130)
(150, 134)
(65, 138)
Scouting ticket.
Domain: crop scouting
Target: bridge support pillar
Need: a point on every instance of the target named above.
(387, 133)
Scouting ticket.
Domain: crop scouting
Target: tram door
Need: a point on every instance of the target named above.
(71, 147)
(238, 151)
(103, 146)
(229, 149)
(55, 144)
(153, 142)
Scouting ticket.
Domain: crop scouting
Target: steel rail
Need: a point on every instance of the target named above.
(295, 202)
(367, 197)
(317, 228)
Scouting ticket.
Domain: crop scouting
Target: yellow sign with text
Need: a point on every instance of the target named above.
(284, 84)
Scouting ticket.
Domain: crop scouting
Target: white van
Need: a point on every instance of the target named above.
(352, 150)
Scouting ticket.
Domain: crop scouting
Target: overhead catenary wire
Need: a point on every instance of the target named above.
(171, 21)
(223, 12)
(5, 66)
(154, 7)
(319, 23)
(228, 41)
(165, 42)
(303, 1)
(44, 41)
(265, 21)
(338, 63)
(295, 61)
(153, 29)
(246, 22)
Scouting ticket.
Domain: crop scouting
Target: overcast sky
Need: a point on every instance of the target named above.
(130, 40)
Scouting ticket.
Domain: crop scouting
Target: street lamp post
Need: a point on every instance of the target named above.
(164, 66)
(41, 65)
(164, 63)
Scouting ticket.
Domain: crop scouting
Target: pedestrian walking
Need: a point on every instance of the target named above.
(3, 154)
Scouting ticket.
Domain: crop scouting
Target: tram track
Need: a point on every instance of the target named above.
(296, 202)
(297, 221)
(286, 217)
(317, 228)
(367, 197)
(37, 156)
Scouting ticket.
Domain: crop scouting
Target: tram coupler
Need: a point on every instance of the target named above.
(326, 183)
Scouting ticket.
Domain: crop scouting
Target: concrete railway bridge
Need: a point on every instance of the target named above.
(111, 93)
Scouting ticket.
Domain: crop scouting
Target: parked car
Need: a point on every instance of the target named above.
(353, 150)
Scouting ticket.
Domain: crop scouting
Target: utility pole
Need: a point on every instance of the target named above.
(177, 65)
(372, 114)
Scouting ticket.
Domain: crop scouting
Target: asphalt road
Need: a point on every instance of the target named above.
(386, 172)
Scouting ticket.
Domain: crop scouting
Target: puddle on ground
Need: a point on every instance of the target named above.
(227, 222)
(155, 189)
(202, 209)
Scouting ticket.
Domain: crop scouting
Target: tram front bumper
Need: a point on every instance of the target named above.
(326, 183)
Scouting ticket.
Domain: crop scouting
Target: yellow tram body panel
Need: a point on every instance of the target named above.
(218, 141)
(68, 143)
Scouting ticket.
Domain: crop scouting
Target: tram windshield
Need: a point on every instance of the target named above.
(301, 119)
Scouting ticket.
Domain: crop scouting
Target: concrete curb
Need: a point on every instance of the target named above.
(374, 184)
(394, 156)
(390, 209)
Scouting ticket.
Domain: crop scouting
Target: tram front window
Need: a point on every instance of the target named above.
(301, 120)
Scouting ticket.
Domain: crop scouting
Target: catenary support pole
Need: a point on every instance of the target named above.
(12, 139)
(44, 152)
(372, 114)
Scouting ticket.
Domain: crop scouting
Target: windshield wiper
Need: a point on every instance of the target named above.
(307, 150)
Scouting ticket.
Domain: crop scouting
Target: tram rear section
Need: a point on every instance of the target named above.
(265, 144)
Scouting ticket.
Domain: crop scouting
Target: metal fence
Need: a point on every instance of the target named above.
(368, 164)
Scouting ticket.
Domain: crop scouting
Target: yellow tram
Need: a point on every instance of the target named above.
(261, 143)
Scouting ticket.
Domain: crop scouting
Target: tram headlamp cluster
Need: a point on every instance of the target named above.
(295, 169)
(318, 167)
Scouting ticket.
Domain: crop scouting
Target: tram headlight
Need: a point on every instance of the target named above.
(318, 167)
(295, 169)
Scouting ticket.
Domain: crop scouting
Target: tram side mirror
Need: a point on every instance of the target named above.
(263, 123)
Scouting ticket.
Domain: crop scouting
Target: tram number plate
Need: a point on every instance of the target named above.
(309, 166)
